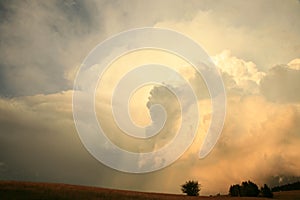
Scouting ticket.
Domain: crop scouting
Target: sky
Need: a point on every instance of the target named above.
(255, 45)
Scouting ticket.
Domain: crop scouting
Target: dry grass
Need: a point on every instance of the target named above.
(46, 191)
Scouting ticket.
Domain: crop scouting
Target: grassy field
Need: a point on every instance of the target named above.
(49, 191)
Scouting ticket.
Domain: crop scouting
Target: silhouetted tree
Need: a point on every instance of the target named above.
(246, 189)
(249, 189)
(191, 188)
(234, 190)
(266, 191)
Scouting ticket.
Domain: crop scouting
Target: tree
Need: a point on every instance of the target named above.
(249, 189)
(191, 188)
(246, 189)
(234, 190)
(266, 191)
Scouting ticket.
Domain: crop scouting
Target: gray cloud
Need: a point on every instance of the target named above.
(38, 142)
(42, 42)
(36, 46)
(281, 84)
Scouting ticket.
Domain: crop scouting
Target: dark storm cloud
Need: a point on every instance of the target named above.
(38, 44)
(43, 41)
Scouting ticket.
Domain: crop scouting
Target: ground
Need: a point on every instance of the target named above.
(46, 191)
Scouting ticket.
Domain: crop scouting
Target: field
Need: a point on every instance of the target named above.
(50, 191)
(287, 195)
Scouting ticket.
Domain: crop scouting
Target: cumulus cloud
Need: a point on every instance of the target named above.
(260, 140)
(280, 83)
(244, 75)
(240, 77)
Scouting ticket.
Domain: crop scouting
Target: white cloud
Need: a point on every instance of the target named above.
(245, 74)
(294, 64)
(239, 69)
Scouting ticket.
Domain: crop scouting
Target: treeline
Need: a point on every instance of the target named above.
(249, 189)
(287, 187)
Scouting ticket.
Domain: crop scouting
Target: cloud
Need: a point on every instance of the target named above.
(294, 64)
(40, 45)
(260, 140)
(2, 169)
(255, 31)
(240, 77)
(43, 43)
(282, 83)
(39, 142)
(239, 69)
(244, 75)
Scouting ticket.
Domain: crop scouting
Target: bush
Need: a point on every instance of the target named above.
(191, 188)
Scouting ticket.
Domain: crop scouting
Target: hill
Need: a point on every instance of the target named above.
(49, 191)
